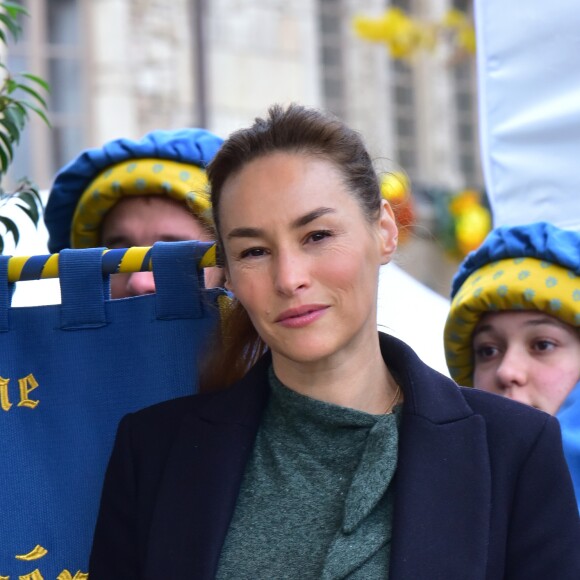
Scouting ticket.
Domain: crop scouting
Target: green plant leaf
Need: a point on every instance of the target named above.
(4, 161)
(38, 81)
(38, 111)
(11, 228)
(31, 212)
(11, 85)
(26, 195)
(14, 9)
(17, 114)
(10, 127)
(32, 190)
(32, 93)
(7, 145)
(11, 24)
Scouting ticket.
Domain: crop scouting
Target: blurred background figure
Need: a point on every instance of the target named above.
(135, 193)
(514, 324)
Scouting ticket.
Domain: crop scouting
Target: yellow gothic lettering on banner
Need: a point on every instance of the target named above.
(4, 400)
(27, 385)
(66, 575)
(36, 575)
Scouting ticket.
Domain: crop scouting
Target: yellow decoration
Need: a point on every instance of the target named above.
(395, 187)
(472, 220)
(459, 25)
(463, 201)
(402, 35)
(471, 228)
(405, 36)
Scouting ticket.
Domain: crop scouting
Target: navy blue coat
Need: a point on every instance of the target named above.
(482, 489)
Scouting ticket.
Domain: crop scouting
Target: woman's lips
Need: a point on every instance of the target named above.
(301, 316)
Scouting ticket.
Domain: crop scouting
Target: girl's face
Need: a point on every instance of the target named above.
(302, 258)
(527, 356)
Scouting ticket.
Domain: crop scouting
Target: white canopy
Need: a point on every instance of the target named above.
(529, 89)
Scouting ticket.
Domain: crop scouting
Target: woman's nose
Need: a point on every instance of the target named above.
(290, 273)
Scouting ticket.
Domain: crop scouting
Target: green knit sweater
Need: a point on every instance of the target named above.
(315, 500)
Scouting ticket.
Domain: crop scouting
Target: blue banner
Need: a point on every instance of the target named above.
(68, 373)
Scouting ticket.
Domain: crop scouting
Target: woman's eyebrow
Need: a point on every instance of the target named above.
(249, 232)
(311, 216)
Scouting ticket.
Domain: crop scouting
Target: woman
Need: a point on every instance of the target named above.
(334, 452)
(513, 326)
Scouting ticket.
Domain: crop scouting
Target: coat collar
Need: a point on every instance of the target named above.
(428, 394)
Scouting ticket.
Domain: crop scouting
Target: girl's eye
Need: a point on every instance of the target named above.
(485, 352)
(544, 345)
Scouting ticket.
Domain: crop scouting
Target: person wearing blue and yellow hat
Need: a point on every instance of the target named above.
(514, 324)
(134, 193)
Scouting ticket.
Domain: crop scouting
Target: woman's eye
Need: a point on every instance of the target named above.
(318, 236)
(252, 253)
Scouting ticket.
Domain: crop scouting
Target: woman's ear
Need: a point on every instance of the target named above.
(389, 232)
(227, 283)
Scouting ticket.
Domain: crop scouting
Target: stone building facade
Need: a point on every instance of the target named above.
(124, 67)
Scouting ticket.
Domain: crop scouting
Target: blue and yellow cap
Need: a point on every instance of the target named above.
(531, 267)
(161, 163)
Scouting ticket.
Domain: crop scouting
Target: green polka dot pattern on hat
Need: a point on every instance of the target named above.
(509, 284)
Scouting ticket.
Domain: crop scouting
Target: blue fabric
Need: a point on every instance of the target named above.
(92, 364)
(195, 146)
(539, 240)
(569, 417)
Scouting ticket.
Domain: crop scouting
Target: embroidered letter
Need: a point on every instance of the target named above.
(35, 554)
(36, 575)
(4, 401)
(27, 385)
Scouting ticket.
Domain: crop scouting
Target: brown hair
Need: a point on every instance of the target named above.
(295, 129)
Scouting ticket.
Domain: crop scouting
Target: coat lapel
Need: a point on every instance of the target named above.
(198, 496)
(442, 501)
(443, 481)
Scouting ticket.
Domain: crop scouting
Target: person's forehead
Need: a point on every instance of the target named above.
(157, 217)
(512, 319)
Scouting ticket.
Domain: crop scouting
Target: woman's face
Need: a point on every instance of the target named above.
(302, 258)
(527, 356)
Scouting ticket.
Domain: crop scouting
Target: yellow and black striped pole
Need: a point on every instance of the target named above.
(116, 261)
